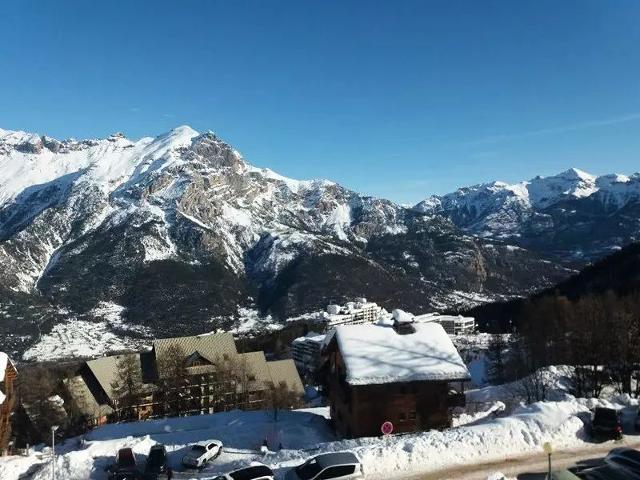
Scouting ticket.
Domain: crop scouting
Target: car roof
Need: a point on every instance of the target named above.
(336, 458)
(249, 473)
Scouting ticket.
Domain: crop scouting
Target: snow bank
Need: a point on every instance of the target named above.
(306, 433)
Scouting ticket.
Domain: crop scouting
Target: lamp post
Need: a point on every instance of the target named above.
(53, 451)
(548, 449)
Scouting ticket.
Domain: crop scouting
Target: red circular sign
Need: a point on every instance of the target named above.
(387, 428)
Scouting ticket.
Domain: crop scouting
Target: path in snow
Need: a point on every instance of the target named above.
(527, 464)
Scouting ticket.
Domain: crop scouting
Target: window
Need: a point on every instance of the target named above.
(337, 472)
(402, 417)
(412, 415)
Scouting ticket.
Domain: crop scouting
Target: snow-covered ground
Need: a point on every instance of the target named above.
(103, 333)
(494, 433)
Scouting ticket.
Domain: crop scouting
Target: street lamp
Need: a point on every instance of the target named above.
(548, 449)
(53, 451)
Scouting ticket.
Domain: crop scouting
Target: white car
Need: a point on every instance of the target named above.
(254, 472)
(201, 453)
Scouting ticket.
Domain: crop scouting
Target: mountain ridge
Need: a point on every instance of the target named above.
(571, 215)
(178, 231)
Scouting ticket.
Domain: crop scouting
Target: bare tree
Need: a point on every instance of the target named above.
(281, 397)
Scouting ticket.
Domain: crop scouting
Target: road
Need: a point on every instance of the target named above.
(525, 467)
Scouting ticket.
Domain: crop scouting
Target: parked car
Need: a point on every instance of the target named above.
(563, 475)
(254, 472)
(606, 424)
(607, 472)
(627, 458)
(125, 467)
(201, 453)
(157, 460)
(328, 466)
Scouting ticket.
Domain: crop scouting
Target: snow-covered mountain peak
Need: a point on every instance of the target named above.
(545, 191)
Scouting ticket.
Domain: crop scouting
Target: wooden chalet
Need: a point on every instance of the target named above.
(403, 373)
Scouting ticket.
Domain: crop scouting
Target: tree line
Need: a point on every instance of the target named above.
(597, 334)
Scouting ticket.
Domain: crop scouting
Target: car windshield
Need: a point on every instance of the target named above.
(607, 416)
(251, 473)
(126, 458)
(627, 455)
(156, 456)
(199, 449)
(308, 470)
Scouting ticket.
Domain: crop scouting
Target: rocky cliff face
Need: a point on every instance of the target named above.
(177, 231)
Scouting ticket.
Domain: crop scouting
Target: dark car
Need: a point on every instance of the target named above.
(157, 460)
(607, 472)
(125, 467)
(254, 472)
(606, 424)
(624, 457)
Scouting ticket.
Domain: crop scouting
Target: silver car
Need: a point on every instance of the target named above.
(328, 466)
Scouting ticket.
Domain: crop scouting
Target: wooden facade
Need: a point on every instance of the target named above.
(360, 410)
(7, 407)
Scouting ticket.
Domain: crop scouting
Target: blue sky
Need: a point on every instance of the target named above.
(398, 99)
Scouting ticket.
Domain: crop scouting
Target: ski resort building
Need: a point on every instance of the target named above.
(182, 376)
(452, 324)
(307, 352)
(406, 374)
(352, 313)
(8, 376)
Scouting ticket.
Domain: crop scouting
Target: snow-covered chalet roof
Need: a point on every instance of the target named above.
(376, 354)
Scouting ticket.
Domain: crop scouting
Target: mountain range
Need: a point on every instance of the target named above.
(570, 216)
(179, 234)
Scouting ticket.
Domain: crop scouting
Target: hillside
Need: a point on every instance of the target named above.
(618, 273)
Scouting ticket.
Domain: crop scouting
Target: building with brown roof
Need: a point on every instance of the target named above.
(184, 376)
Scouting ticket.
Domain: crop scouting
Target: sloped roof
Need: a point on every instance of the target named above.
(210, 346)
(105, 369)
(256, 365)
(84, 399)
(377, 354)
(285, 371)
